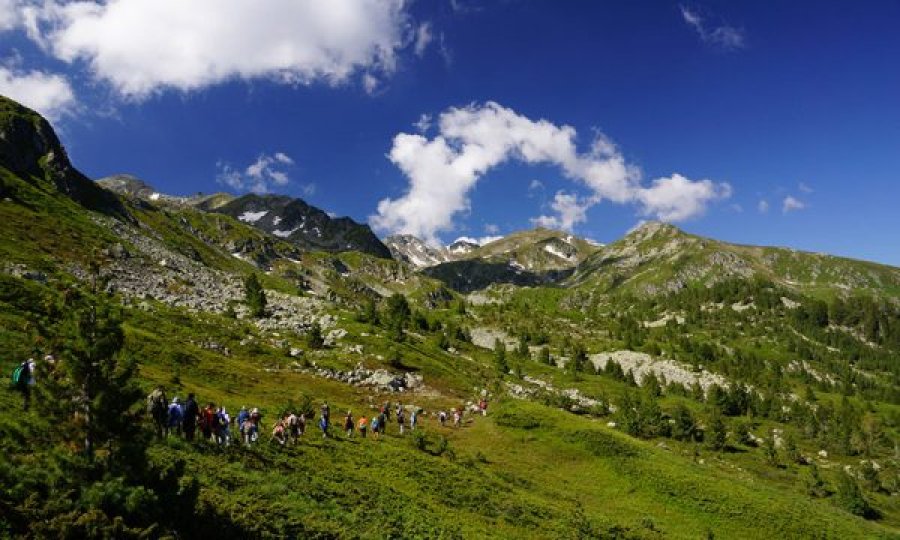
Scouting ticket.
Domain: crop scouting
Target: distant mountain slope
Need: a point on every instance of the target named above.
(657, 258)
(304, 225)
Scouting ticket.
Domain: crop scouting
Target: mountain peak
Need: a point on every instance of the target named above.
(30, 148)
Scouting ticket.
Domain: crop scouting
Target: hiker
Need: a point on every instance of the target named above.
(191, 413)
(482, 407)
(278, 432)
(243, 414)
(23, 380)
(414, 418)
(255, 420)
(157, 408)
(376, 424)
(301, 423)
(401, 417)
(442, 418)
(382, 422)
(363, 424)
(223, 427)
(293, 427)
(326, 412)
(208, 421)
(348, 424)
(386, 410)
(247, 429)
(175, 414)
(323, 425)
(457, 417)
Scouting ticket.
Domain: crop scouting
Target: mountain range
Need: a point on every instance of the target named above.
(662, 385)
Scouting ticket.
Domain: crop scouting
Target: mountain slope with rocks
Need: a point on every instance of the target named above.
(664, 386)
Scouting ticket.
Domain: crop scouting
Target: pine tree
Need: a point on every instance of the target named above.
(90, 389)
(397, 315)
(500, 362)
(314, 339)
(522, 351)
(716, 431)
(254, 296)
(544, 356)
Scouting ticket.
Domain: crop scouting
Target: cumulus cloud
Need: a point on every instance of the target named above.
(143, 46)
(47, 93)
(677, 198)
(261, 176)
(723, 36)
(763, 206)
(790, 203)
(473, 140)
(570, 211)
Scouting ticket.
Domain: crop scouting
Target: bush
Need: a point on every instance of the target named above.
(849, 497)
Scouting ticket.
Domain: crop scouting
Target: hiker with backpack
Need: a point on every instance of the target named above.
(255, 420)
(191, 414)
(376, 425)
(401, 417)
(442, 418)
(23, 380)
(348, 424)
(293, 427)
(157, 408)
(363, 425)
(323, 425)
(175, 415)
(278, 432)
(223, 427)
(414, 418)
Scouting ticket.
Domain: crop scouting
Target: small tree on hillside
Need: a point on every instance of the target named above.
(254, 296)
(500, 358)
(716, 431)
(544, 356)
(397, 315)
(314, 339)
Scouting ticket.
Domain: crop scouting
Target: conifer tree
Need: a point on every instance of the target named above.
(500, 358)
(254, 296)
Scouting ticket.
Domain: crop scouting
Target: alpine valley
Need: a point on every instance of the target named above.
(664, 385)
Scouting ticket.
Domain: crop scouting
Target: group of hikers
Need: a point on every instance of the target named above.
(215, 424)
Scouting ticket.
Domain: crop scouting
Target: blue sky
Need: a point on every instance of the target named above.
(706, 112)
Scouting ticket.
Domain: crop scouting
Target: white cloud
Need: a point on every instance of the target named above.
(535, 185)
(491, 228)
(9, 15)
(423, 124)
(677, 198)
(260, 176)
(47, 93)
(370, 83)
(763, 206)
(423, 38)
(472, 140)
(570, 211)
(144, 46)
(804, 188)
(724, 36)
(791, 203)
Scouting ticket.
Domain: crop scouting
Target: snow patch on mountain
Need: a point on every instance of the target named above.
(252, 217)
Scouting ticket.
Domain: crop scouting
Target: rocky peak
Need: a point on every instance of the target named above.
(414, 251)
(30, 149)
(303, 224)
